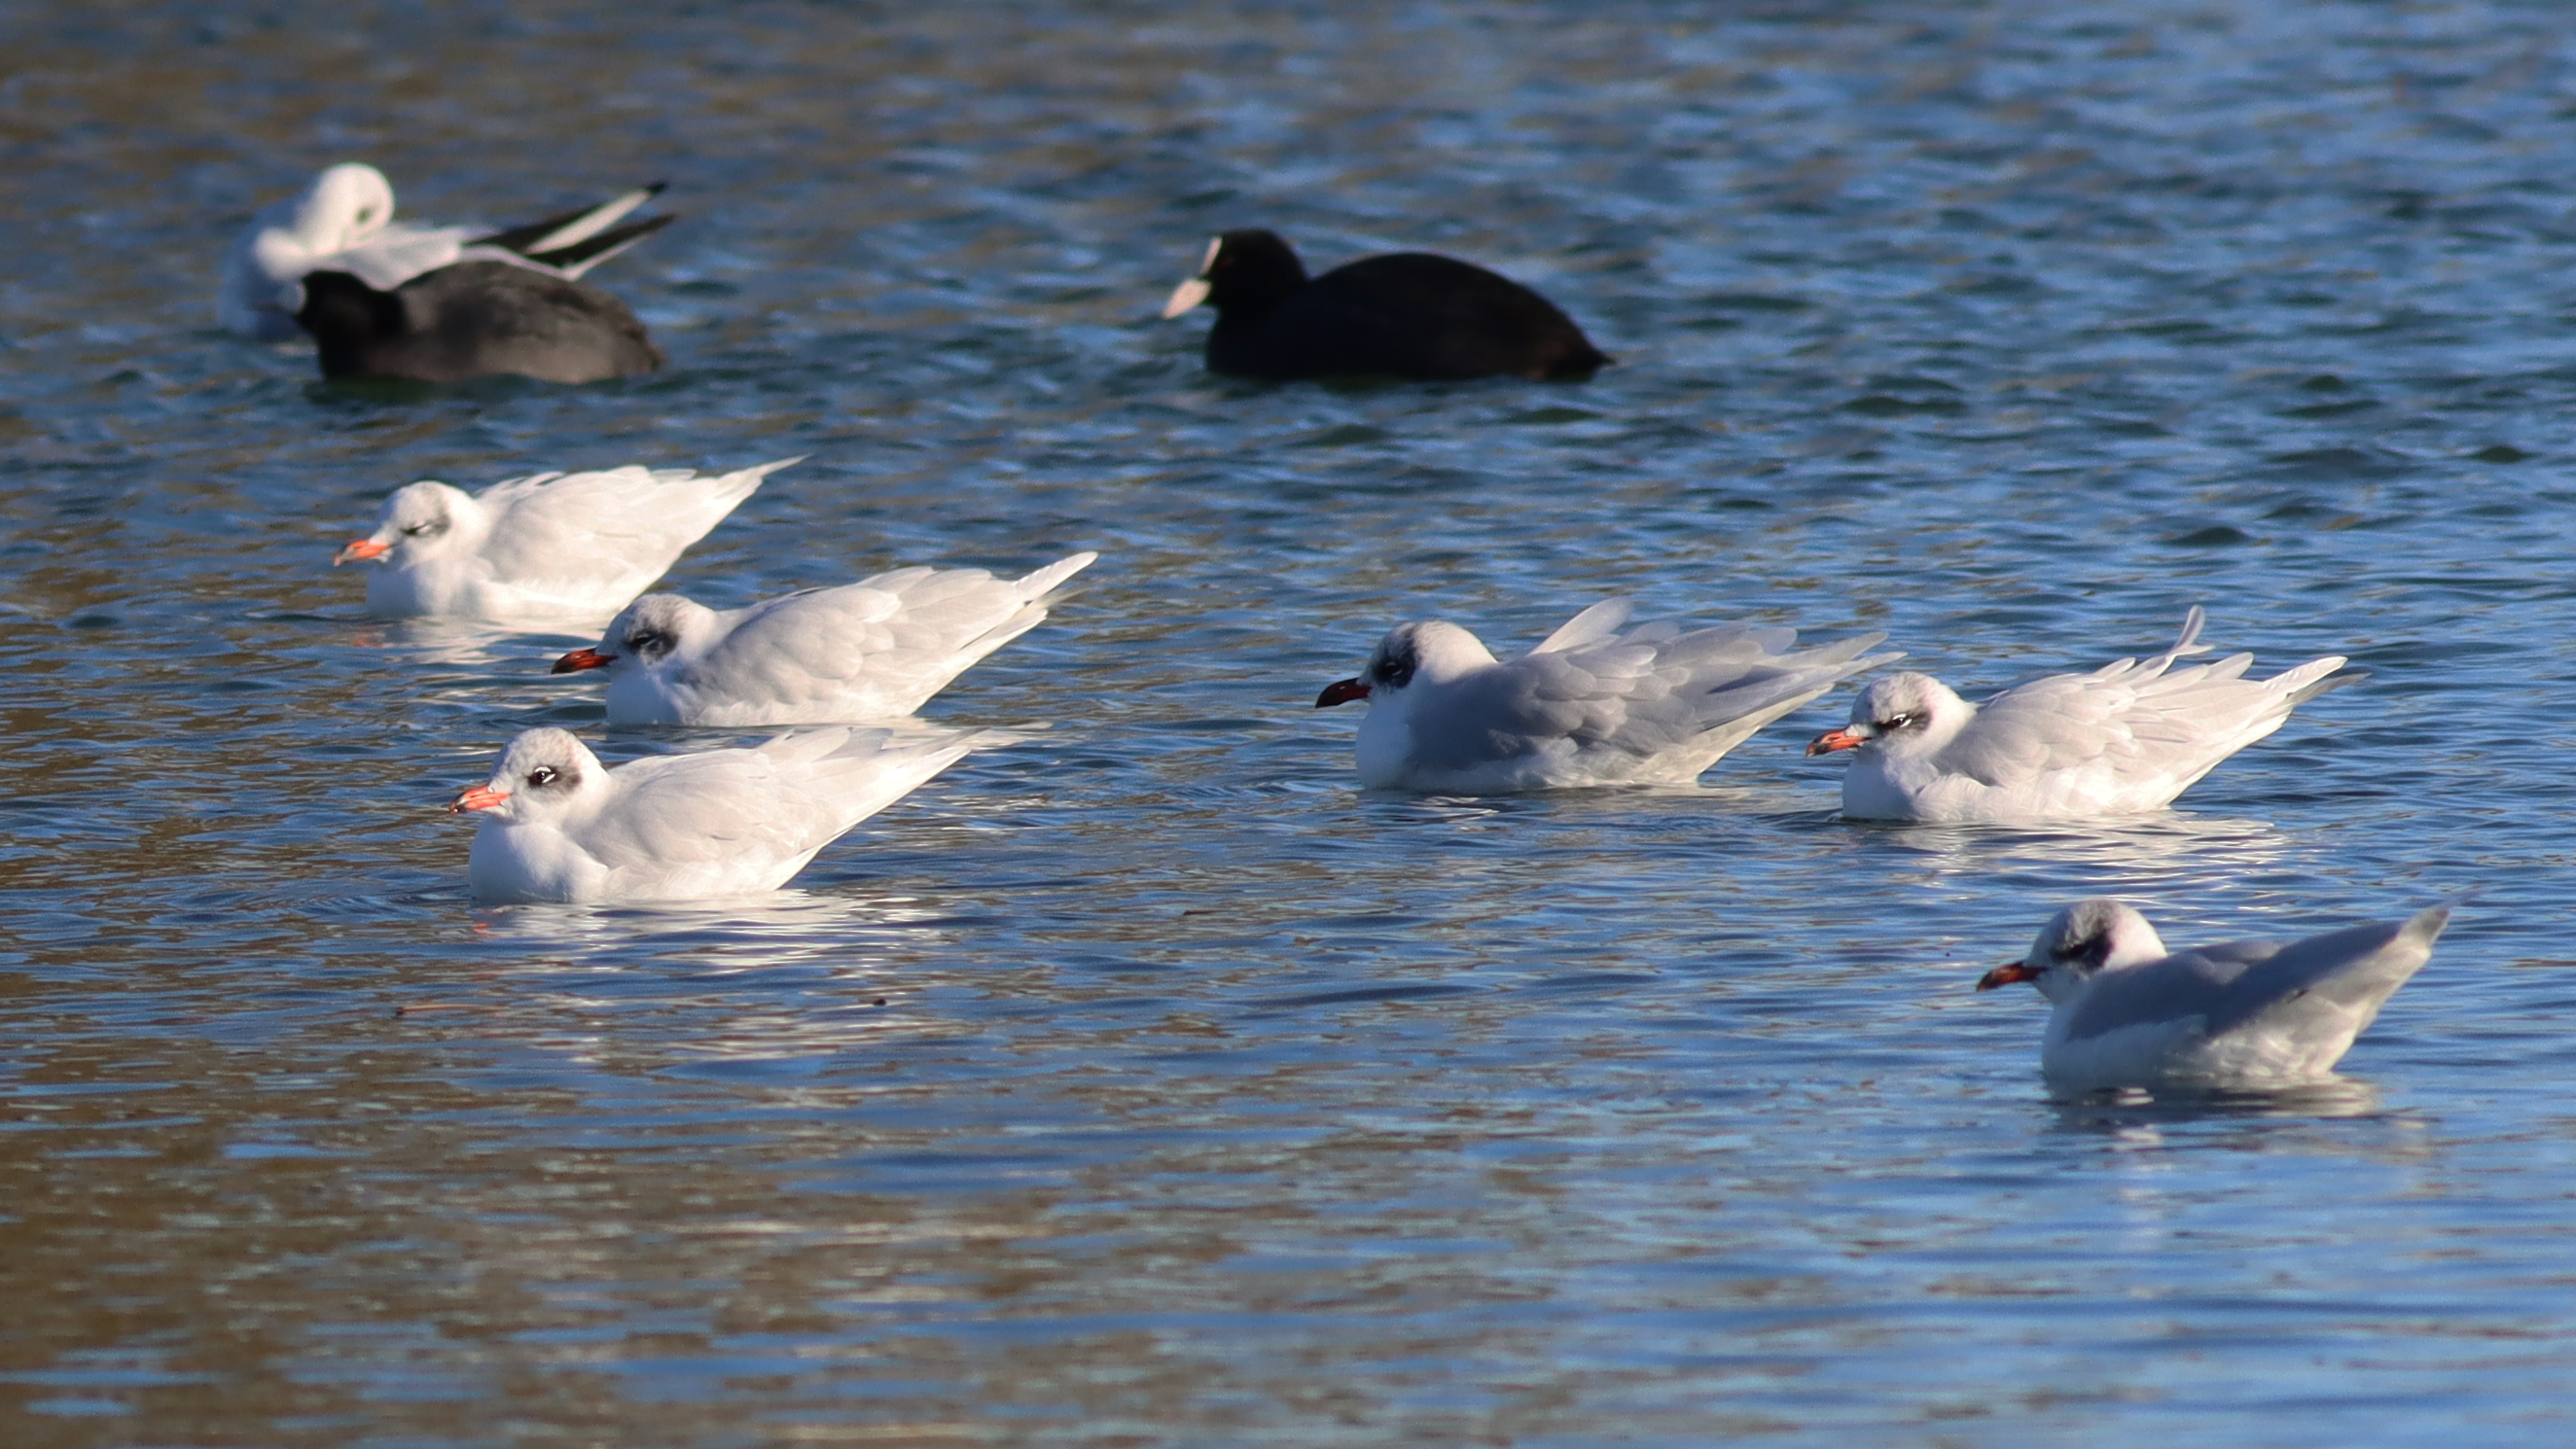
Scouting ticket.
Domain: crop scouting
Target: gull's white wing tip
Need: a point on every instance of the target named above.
(1589, 627)
(741, 483)
(1038, 582)
(2188, 641)
(2429, 922)
(1875, 661)
(2316, 677)
(996, 736)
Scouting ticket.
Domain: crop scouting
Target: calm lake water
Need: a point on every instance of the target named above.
(1144, 1083)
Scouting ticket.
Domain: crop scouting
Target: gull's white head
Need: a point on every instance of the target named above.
(1901, 713)
(1434, 652)
(421, 521)
(2079, 941)
(544, 775)
(344, 206)
(646, 634)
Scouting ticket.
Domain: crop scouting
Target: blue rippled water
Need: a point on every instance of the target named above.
(1145, 1083)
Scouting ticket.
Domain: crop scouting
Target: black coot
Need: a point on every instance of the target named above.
(474, 319)
(1406, 314)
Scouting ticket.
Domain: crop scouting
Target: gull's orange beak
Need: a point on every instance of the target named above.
(1341, 691)
(2006, 975)
(481, 797)
(1832, 740)
(360, 548)
(582, 659)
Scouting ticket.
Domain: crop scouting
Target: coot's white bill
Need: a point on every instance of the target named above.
(560, 548)
(875, 649)
(2127, 737)
(2242, 1015)
(1195, 290)
(1589, 706)
(559, 826)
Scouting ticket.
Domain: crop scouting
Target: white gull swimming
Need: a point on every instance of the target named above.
(2127, 737)
(2245, 1015)
(1590, 705)
(557, 825)
(547, 548)
(875, 649)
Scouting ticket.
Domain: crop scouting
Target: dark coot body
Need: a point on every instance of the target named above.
(474, 319)
(1407, 314)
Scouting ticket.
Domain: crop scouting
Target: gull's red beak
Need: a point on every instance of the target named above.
(582, 659)
(2006, 975)
(481, 797)
(1341, 691)
(360, 548)
(1832, 740)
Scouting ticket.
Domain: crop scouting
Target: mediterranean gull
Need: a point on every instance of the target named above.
(2127, 737)
(2240, 1015)
(875, 649)
(557, 825)
(547, 548)
(1589, 706)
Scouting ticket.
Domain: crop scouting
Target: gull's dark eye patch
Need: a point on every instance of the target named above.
(1896, 722)
(651, 644)
(2090, 952)
(423, 530)
(541, 776)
